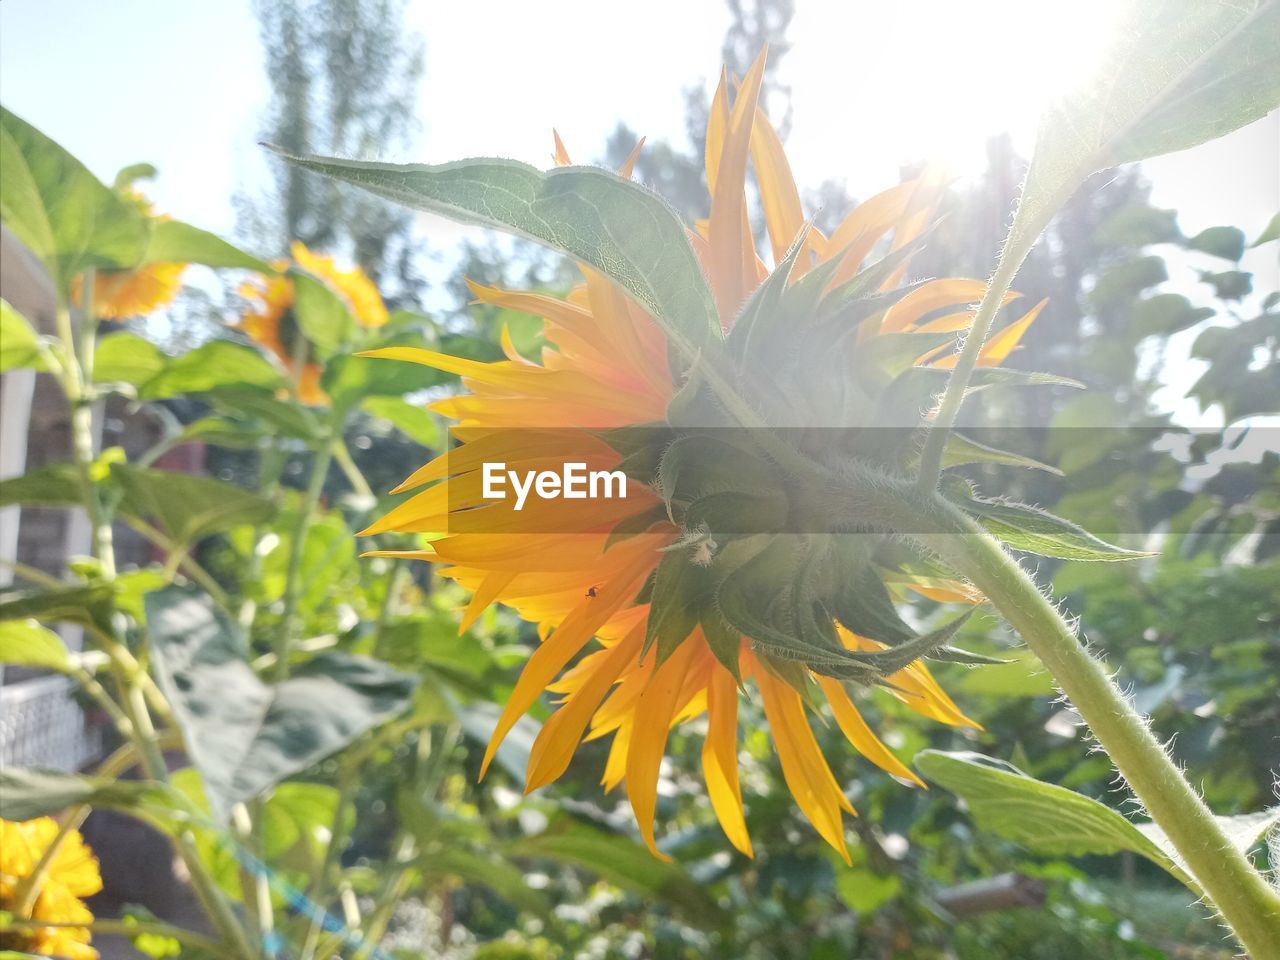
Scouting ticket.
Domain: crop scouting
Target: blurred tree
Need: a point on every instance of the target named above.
(344, 76)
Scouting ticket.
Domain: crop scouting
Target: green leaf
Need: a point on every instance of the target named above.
(88, 606)
(1180, 72)
(615, 226)
(681, 591)
(961, 449)
(1226, 243)
(349, 379)
(866, 892)
(487, 872)
(623, 863)
(284, 416)
(243, 735)
(1037, 531)
(411, 419)
(1021, 675)
(127, 358)
(188, 507)
(19, 343)
(61, 211)
(321, 313)
(24, 643)
(216, 364)
(1054, 820)
(1269, 233)
(173, 241)
(1167, 313)
(220, 432)
(1229, 284)
(27, 793)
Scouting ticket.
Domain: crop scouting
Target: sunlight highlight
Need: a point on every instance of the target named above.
(974, 70)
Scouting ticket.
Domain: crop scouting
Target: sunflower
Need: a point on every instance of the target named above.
(121, 294)
(800, 618)
(271, 324)
(71, 875)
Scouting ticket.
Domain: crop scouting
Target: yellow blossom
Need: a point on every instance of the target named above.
(71, 875)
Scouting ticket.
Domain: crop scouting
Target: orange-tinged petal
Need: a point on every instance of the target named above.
(732, 256)
(803, 768)
(779, 197)
(863, 227)
(560, 735)
(855, 728)
(655, 707)
(551, 656)
(561, 155)
(931, 296)
(629, 165)
(717, 125)
(997, 349)
(720, 758)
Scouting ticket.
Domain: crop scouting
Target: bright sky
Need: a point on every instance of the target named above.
(875, 84)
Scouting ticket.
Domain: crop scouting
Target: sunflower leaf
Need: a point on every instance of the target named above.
(25, 643)
(243, 735)
(321, 314)
(1053, 820)
(27, 793)
(173, 241)
(59, 210)
(725, 642)
(19, 342)
(1030, 529)
(681, 590)
(1179, 73)
(188, 507)
(615, 226)
(961, 449)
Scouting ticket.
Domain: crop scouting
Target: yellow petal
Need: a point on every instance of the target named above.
(629, 166)
(551, 656)
(779, 197)
(855, 728)
(559, 737)
(561, 155)
(720, 758)
(656, 706)
(732, 255)
(803, 768)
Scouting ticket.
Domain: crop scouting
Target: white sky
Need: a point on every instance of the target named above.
(875, 84)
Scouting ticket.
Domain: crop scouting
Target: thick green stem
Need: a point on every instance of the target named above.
(1016, 248)
(77, 377)
(75, 384)
(1240, 893)
(306, 511)
(1243, 897)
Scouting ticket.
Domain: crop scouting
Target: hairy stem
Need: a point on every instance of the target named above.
(1240, 893)
(1022, 237)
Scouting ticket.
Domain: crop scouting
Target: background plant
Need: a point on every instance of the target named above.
(229, 394)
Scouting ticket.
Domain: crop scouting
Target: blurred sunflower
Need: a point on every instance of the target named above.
(602, 598)
(121, 294)
(71, 875)
(271, 322)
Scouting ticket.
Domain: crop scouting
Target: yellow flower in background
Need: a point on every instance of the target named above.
(72, 874)
(271, 324)
(606, 366)
(121, 294)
